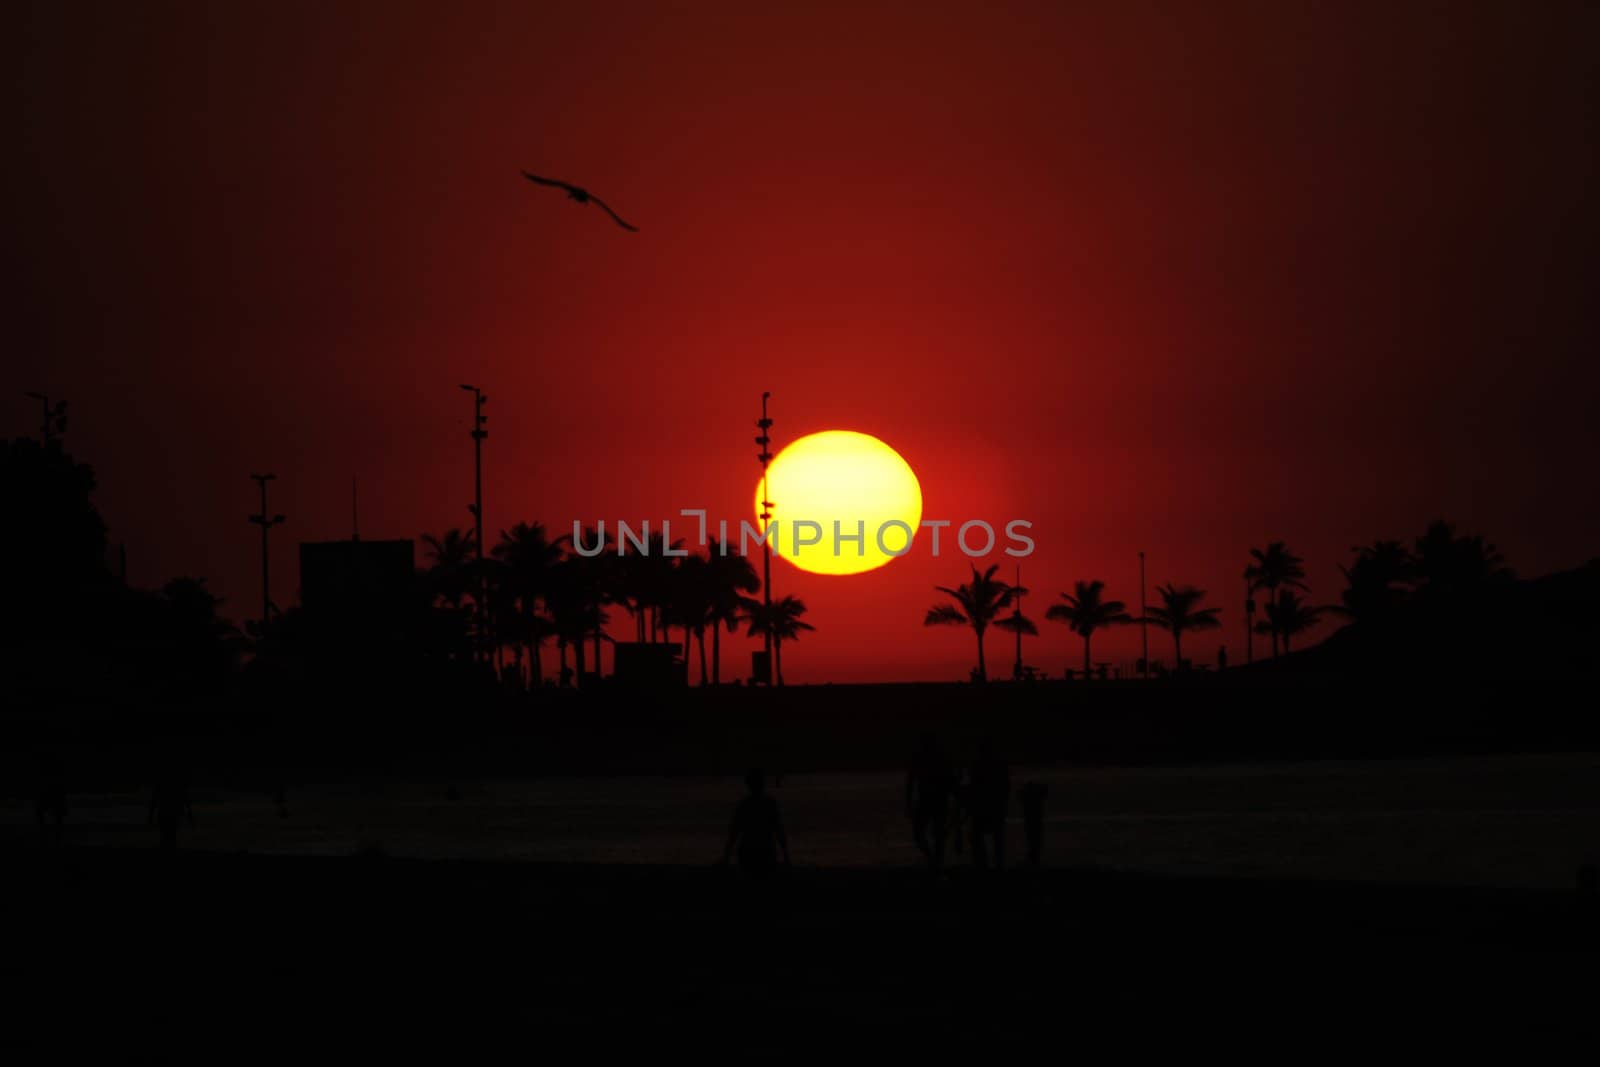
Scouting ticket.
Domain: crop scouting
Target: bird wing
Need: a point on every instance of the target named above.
(535, 179)
(614, 216)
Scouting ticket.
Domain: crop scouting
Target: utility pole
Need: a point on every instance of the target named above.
(765, 457)
(479, 419)
(266, 522)
(55, 418)
(1144, 624)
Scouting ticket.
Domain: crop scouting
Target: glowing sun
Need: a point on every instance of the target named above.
(850, 479)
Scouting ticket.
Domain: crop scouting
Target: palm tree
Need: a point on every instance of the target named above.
(729, 577)
(781, 619)
(1451, 566)
(1274, 567)
(449, 565)
(575, 613)
(689, 605)
(1084, 612)
(527, 559)
(1180, 613)
(1376, 581)
(977, 604)
(1289, 615)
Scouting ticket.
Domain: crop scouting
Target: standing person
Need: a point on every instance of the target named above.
(169, 801)
(930, 787)
(989, 795)
(757, 830)
(1032, 795)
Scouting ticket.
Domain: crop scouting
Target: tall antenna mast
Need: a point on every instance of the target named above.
(765, 458)
(266, 522)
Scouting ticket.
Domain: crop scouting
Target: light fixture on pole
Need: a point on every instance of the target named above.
(266, 521)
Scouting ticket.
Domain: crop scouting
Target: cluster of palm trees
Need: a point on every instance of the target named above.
(979, 603)
(1440, 568)
(531, 590)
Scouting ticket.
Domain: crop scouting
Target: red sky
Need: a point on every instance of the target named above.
(1182, 278)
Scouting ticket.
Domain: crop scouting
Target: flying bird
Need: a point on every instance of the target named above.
(582, 196)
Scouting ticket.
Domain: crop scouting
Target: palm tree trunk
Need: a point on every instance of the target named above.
(597, 650)
(716, 652)
(1177, 651)
(577, 655)
(1085, 657)
(777, 657)
(534, 665)
(983, 673)
(700, 640)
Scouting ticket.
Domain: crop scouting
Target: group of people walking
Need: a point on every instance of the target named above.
(949, 807)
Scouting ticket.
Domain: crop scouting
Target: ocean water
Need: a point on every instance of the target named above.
(1515, 821)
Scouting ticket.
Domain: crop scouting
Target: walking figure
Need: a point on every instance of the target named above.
(930, 787)
(757, 831)
(989, 795)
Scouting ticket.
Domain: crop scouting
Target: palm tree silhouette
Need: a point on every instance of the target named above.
(689, 605)
(1289, 616)
(1375, 584)
(527, 559)
(1274, 567)
(1180, 613)
(1451, 566)
(781, 620)
(449, 565)
(729, 577)
(1084, 612)
(977, 604)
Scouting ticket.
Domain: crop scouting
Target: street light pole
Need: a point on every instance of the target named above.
(479, 419)
(765, 457)
(266, 522)
(55, 418)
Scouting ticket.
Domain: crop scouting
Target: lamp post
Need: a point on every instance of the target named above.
(55, 417)
(266, 521)
(764, 439)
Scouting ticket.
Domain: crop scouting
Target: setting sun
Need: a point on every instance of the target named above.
(848, 478)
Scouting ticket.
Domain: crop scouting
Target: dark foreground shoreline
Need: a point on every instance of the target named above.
(268, 946)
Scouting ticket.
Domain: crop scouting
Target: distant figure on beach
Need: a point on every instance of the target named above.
(1222, 657)
(930, 788)
(169, 802)
(1032, 795)
(757, 830)
(50, 799)
(988, 797)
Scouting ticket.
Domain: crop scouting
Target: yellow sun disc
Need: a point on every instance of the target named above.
(842, 483)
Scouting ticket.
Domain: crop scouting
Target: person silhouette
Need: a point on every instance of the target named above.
(988, 796)
(756, 833)
(1032, 795)
(1222, 657)
(169, 801)
(50, 799)
(930, 787)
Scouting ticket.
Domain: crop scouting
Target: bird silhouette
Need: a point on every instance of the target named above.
(582, 196)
